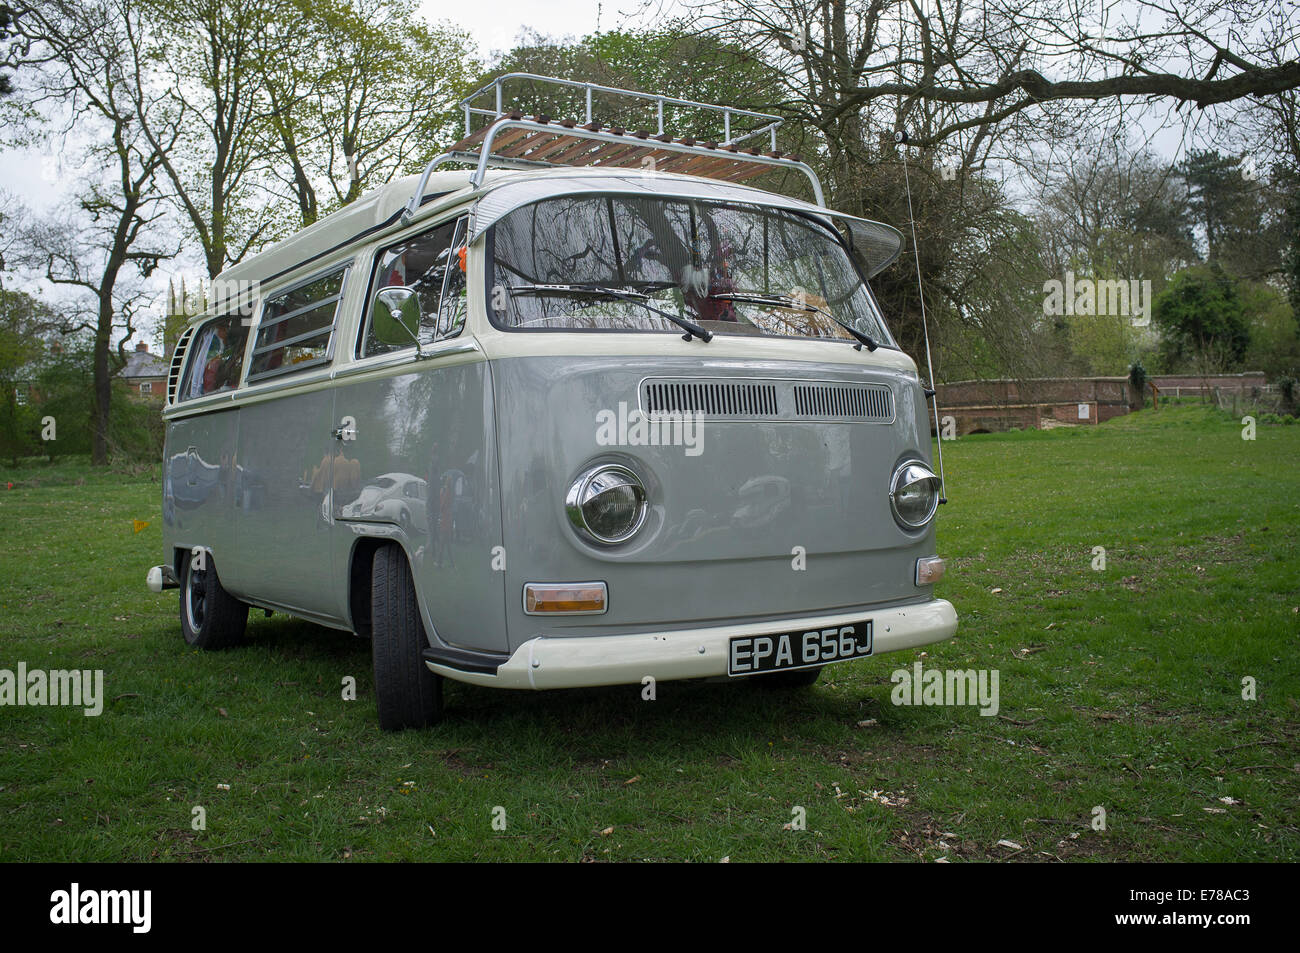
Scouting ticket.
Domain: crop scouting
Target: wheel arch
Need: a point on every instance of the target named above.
(361, 561)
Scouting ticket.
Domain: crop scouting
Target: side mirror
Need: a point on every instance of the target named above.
(396, 318)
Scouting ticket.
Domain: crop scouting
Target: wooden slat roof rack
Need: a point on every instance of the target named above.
(512, 140)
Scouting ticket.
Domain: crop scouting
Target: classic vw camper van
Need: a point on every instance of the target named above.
(589, 412)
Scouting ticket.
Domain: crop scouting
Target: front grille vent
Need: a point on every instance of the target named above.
(765, 399)
(711, 398)
(844, 401)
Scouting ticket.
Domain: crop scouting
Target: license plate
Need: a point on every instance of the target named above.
(751, 654)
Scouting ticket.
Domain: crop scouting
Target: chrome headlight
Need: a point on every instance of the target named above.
(914, 494)
(607, 504)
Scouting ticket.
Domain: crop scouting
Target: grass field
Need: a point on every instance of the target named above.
(1120, 688)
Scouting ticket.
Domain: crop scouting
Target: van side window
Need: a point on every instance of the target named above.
(432, 265)
(216, 357)
(297, 327)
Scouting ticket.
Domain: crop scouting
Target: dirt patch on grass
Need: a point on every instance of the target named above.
(452, 760)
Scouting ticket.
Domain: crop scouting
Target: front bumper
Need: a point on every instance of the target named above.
(160, 578)
(581, 662)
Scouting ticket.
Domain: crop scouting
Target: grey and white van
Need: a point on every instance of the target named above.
(542, 426)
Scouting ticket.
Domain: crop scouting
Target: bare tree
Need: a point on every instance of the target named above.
(77, 45)
(10, 57)
(992, 60)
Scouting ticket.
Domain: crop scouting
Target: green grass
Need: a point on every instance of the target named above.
(1119, 688)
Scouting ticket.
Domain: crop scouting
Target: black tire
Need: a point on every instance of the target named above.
(211, 618)
(798, 678)
(408, 695)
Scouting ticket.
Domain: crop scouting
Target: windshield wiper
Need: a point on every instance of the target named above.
(786, 301)
(636, 297)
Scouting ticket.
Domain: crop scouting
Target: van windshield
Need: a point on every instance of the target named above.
(729, 268)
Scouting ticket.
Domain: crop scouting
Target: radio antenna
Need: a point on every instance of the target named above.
(931, 391)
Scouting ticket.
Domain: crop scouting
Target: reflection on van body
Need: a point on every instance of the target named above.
(405, 443)
(762, 500)
(392, 498)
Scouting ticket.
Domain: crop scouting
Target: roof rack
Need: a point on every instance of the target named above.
(512, 140)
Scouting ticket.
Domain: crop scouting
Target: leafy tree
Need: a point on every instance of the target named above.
(1291, 254)
(669, 59)
(65, 383)
(197, 86)
(1274, 331)
(357, 91)
(1238, 210)
(22, 321)
(1103, 344)
(1203, 319)
(1137, 380)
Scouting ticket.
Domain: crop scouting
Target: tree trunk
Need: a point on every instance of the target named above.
(103, 386)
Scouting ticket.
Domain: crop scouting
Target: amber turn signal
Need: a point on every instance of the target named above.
(929, 570)
(567, 598)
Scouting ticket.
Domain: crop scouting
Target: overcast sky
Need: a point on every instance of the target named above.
(495, 24)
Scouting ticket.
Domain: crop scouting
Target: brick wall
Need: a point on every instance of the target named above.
(1045, 390)
(997, 405)
(1250, 383)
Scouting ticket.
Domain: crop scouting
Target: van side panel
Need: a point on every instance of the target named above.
(199, 488)
(422, 470)
(287, 469)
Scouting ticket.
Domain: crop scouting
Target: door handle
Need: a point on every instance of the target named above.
(346, 430)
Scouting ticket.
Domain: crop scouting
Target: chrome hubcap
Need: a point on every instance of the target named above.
(196, 599)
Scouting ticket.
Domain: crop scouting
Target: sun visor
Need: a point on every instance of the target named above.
(875, 245)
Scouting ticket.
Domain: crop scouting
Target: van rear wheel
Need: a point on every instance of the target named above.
(407, 693)
(211, 618)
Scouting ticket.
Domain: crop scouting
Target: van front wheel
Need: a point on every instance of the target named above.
(211, 618)
(408, 694)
